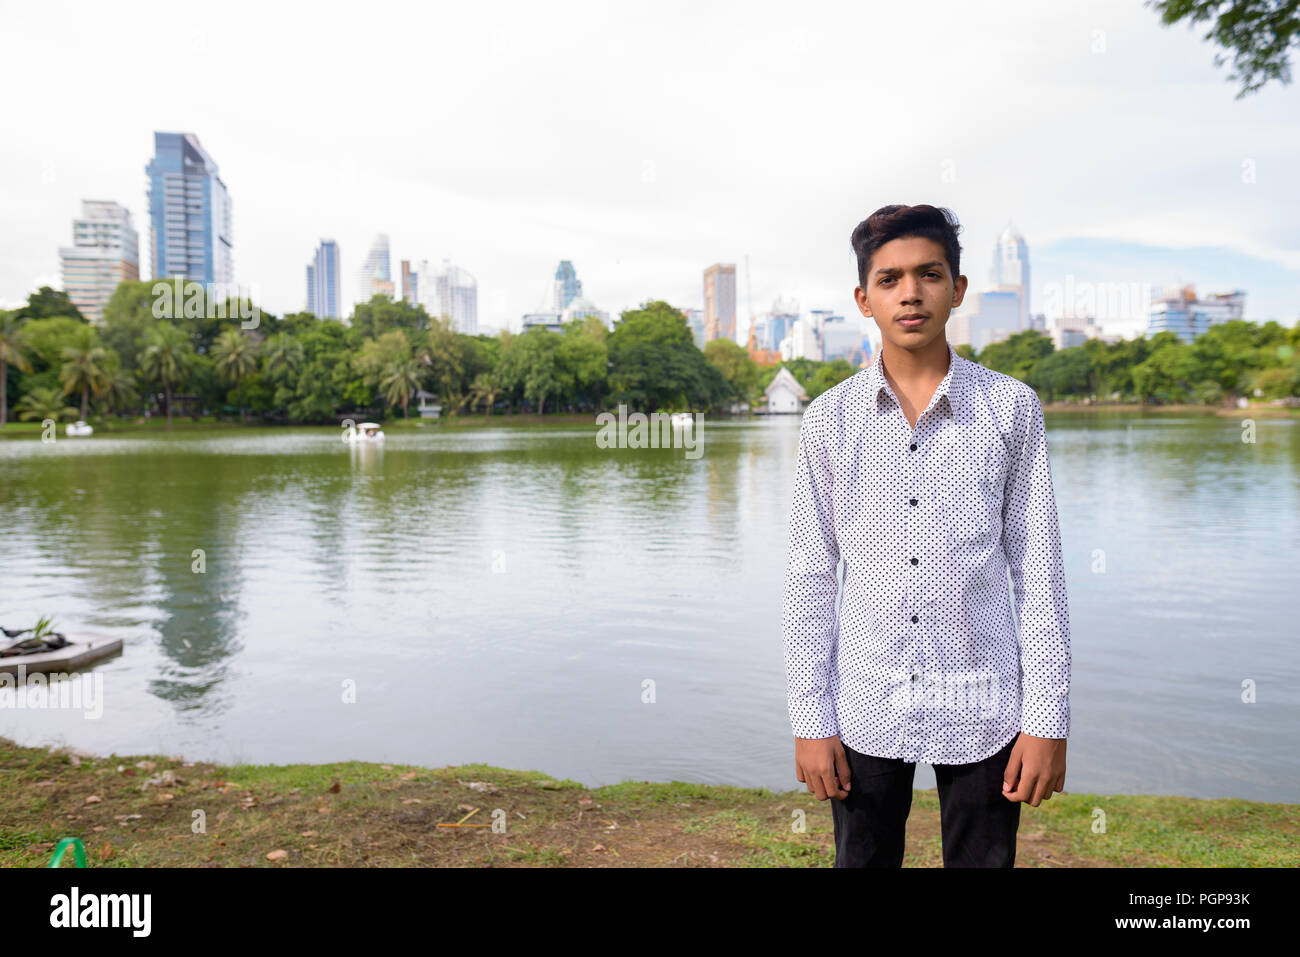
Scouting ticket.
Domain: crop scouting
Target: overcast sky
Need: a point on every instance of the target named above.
(645, 141)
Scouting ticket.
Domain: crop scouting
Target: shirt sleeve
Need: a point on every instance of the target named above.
(1031, 540)
(808, 620)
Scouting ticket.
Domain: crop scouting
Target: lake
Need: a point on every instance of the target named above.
(516, 595)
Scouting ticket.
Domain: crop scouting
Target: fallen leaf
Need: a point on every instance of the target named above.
(307, 834)
(43, 784)
(145, 765)
(277, 855)
(412, 801)
(465, 807)
(407, 776)
(93, 799)
(99, 827)
(105, 852)
(335, 788)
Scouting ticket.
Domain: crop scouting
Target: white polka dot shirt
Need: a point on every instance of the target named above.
(919, 659)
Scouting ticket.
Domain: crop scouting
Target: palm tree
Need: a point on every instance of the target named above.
(118, 386)
(12, 352)
(486, 387)
(281, 354)
(236, 356)
(400, 378)
(43, 402)
(83, 366)
(167, 359)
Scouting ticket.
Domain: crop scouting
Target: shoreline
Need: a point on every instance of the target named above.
(147, 811)
(27, 430)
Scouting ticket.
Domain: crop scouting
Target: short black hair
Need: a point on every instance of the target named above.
(897, 222)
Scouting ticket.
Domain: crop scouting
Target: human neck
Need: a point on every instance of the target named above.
(927, 364)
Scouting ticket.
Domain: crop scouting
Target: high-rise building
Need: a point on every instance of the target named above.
(695, 320)
(451, 292)
(376, 269)
(189, 213)
(104, 252)
(324, 296)
(1182, 313)
(580, 308)
(1011, 269)
(410, 283)
(720, 301)
(567, 285)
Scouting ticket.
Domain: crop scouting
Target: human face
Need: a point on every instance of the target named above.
(910, 277)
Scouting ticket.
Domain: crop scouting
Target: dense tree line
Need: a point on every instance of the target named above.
(298, 368)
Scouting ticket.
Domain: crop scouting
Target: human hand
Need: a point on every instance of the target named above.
(1035, 769)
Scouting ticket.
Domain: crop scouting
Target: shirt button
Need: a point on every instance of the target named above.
(913, 677)
(913, 446)
(913, 501)
(915, 619)
(913, 561)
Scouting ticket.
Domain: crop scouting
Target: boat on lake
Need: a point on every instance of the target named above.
(78, 428)
(368, 432)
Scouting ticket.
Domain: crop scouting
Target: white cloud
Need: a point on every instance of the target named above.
(510, 136)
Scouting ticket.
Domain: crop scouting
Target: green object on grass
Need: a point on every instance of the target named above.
(78, 851)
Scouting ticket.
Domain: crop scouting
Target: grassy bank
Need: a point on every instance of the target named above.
(138, 811)
(1253, 411)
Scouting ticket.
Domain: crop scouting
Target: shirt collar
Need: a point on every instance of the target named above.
(952, 388)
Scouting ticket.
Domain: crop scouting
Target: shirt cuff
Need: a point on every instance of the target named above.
(814, 718)
(1045, 716)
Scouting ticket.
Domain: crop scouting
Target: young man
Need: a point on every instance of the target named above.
(928, 475)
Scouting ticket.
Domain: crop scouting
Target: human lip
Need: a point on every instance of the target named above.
(911, 320)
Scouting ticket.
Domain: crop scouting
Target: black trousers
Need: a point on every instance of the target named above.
(978, 824)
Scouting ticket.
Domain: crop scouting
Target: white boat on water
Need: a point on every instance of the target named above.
(78, 428)
(683, 420)
(367, 432)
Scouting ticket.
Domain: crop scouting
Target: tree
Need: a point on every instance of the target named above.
(46, 303)
(167, 359)
(83, 367)
(128, 320)
(654, 362)
(118, 385)
(236, 358)
(736, 366)
(537, 349)
(582, 361)
(282, 355)
(401, 377)
(486, 387)
(44, 402)
(1258, 32)
(380, 315)
(1017, 354)
(12, 352)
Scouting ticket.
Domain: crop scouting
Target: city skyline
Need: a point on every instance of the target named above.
(642, 216)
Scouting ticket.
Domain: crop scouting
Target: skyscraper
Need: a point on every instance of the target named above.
(189, 213)
(105, 251)
(1011, 268)
(323, 283)
(720, 301)
(567, 285)
(376, 269)
(410, 283)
